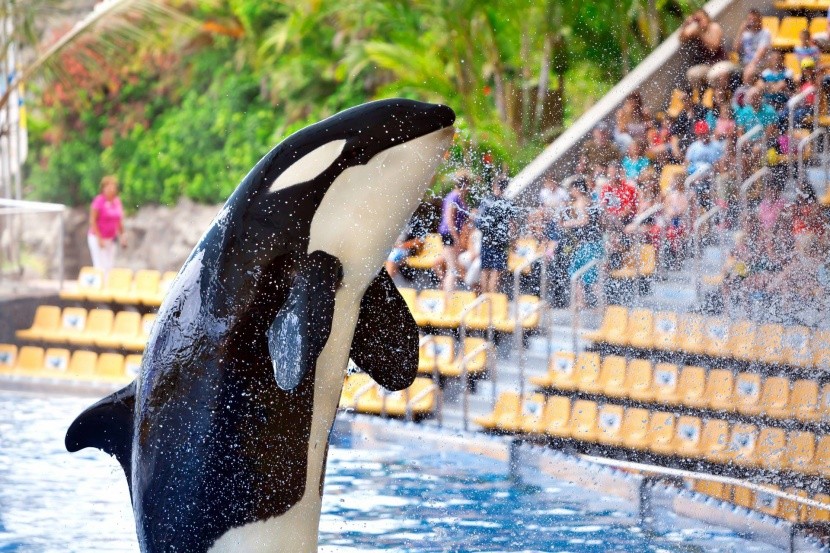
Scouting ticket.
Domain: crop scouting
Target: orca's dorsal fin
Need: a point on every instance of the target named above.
(108, 426)
(385, 342)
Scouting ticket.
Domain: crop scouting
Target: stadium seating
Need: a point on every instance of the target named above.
(46, 322)
(97, 325)
(145, 284)
(154, 300)
(613, 328)
(429, 254)
(557, 421)
(788, 30)
(639, 262)
(89, 280)
(522, 250)
(507, 409)
(132, 365)
(363, 395)
(126, 326)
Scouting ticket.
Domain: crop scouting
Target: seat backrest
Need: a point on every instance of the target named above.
(432, 301)
(126, 323)
(648, 260)
(790, 27)
(743, 440)
(609, 420)
(146, 281)
(639, 374)
(30, 358)
(635, 422)
(8, 356)
(99, 321)
(438, 349)
(47, 317)
(743, 497)
(748, 388)
(640, 322)
(147, 322)
(587, 365)
(562, 362)
(584, 414)
(507, 403)
(82, 362)
(665, 330)
(715, 434)
(459, 300)
(772, 444)
(818, 25)
(533, 408)
(742, 339)
(410, 296)
(73, 319)
(90, 278)
(661, 427)
(804, 394)
(801, 449)
(613, 370)
(110, 364)
(616, 318)
(768, 343)
(717, 336)
(120, 279)
(821, 349)
(471, 343)
(665, 378)
(776, 392)
(690, 333)
(796, 344)
(719, 384)
(558, 408)
(692, 382)
(770, 23)
(689, 430)
(56, 359)
(132, 365)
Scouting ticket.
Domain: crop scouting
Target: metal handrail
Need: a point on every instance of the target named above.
(696, 176)
(755, 177)
(792, 103)
(520, 320)
(360, 392)
(436, 379)
(802, 146)
(462, 336)
(739, 147)
(638, 220)
(574, 311)
(696, 238)
(517, 276)
(20, 207)
(418, 397)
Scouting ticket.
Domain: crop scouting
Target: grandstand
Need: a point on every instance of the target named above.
(687, 363)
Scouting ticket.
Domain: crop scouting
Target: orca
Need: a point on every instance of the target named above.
(224, 433)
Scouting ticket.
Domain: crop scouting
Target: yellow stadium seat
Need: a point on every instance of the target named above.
(801, 450)
(125, 327)
(82, 363)
(791, 62)
(824, 402)
(508, 406)
(29, 359)
(532, 411)
(560, 372)
(410, 297)
(691, 388)
(430, 306)
(353, 384)
(804, 403)
(535, 421)
(718, 490)
(396, 402)
(434, 350)
(635, 428)
(73, 321)
(748, 393)
(110, 366)
(818, 25)
(670, 172)
(525, 310)
(118, 281)
(429, 255)
(89, 280)
(796, 344)
(714, 441)
(638, 380)
(609, 425)
(821, 459)
(769, 347)
(665, 331)
(814, 514)
(717, 337)
(584, 421)
(770, 451)
(687, 437)
(522, 250)
(766, 502)
(46, 322)
(138, 342)
(154, 300)
(132, 365)
(665, 382)
(788, 30)
(770, 23)
(821, 349)
(145, 284)
(690, 332)
(742, 340)
(613, 328)
(719, 390)
(8, 357)
(450, 317)
(640, 328)
(370, 400)
(558, 418)
(742, 444)
(489, 312)
(475, 354)
(790, 510)
(743, 497)
(775, 398)
(612, 376)
(98, 324)
(56, 360)
(648, 261)
(661, 432)
(586, 372)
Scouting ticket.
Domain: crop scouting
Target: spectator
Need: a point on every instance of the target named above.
(106, 226)
(754, 112)
(663, 147)
(552, 196)
(702, 40)
(582, 228)
(618, 197)
(676, 214)
(599, 151)
(470, 260)
(803, 113)
(454, 214)
(634, 163)
(632, 122)
(410, 241)
(722, 121)
(806, 48)
(682, 128)
(703, 152)
(771, 208)
(777, 80)
(495, 217)
(752, 42)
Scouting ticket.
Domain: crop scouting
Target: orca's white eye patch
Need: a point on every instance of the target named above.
(309, 166)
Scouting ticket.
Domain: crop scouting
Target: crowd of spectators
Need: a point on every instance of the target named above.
(629, 186)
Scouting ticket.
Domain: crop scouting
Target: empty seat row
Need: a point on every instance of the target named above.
(144, 287)
(814, 5)
(766, 502)
(33, 361)
(695, 387)
(661, 432)
(439, 309)
(785, 31)
(441, 353)
(97, 327)
(639, 262)
(362, 394)
(714, 336)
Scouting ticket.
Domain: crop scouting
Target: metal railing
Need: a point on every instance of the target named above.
(744, 190)
(12, 208)
(698, 175)
(696, 226)
(543, 287)
(436, 380)
(462, 335)
(575, 322)
(793, 103)
(739, 148)
(802, 147)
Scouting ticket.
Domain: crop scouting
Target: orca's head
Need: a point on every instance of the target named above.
(348, 184)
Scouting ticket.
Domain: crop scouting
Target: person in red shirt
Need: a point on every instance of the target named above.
(618, 197)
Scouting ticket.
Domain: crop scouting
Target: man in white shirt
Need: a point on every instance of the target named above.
(752, 42)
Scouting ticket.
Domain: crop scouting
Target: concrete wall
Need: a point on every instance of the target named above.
(663, 70)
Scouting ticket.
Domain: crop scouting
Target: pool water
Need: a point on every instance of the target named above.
(398, 499)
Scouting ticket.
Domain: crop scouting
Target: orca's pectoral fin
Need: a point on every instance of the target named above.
(108, 426)
(385, 342)
(302, 326)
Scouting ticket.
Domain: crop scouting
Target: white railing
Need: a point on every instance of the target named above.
(739, 148)
(462, 336)
(802, 148)
(12, 208)
(755, 177)
(698, 224)
(793, 103)
(575, 322)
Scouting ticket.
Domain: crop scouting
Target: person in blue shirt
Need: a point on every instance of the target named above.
(702, 153)
(634, 163)
(754, 112)
(777, 81)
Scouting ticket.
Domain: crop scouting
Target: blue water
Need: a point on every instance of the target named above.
(397, 499)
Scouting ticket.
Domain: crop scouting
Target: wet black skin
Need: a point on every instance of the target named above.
(215, 443)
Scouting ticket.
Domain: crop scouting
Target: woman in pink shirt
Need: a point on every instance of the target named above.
(106, 218)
